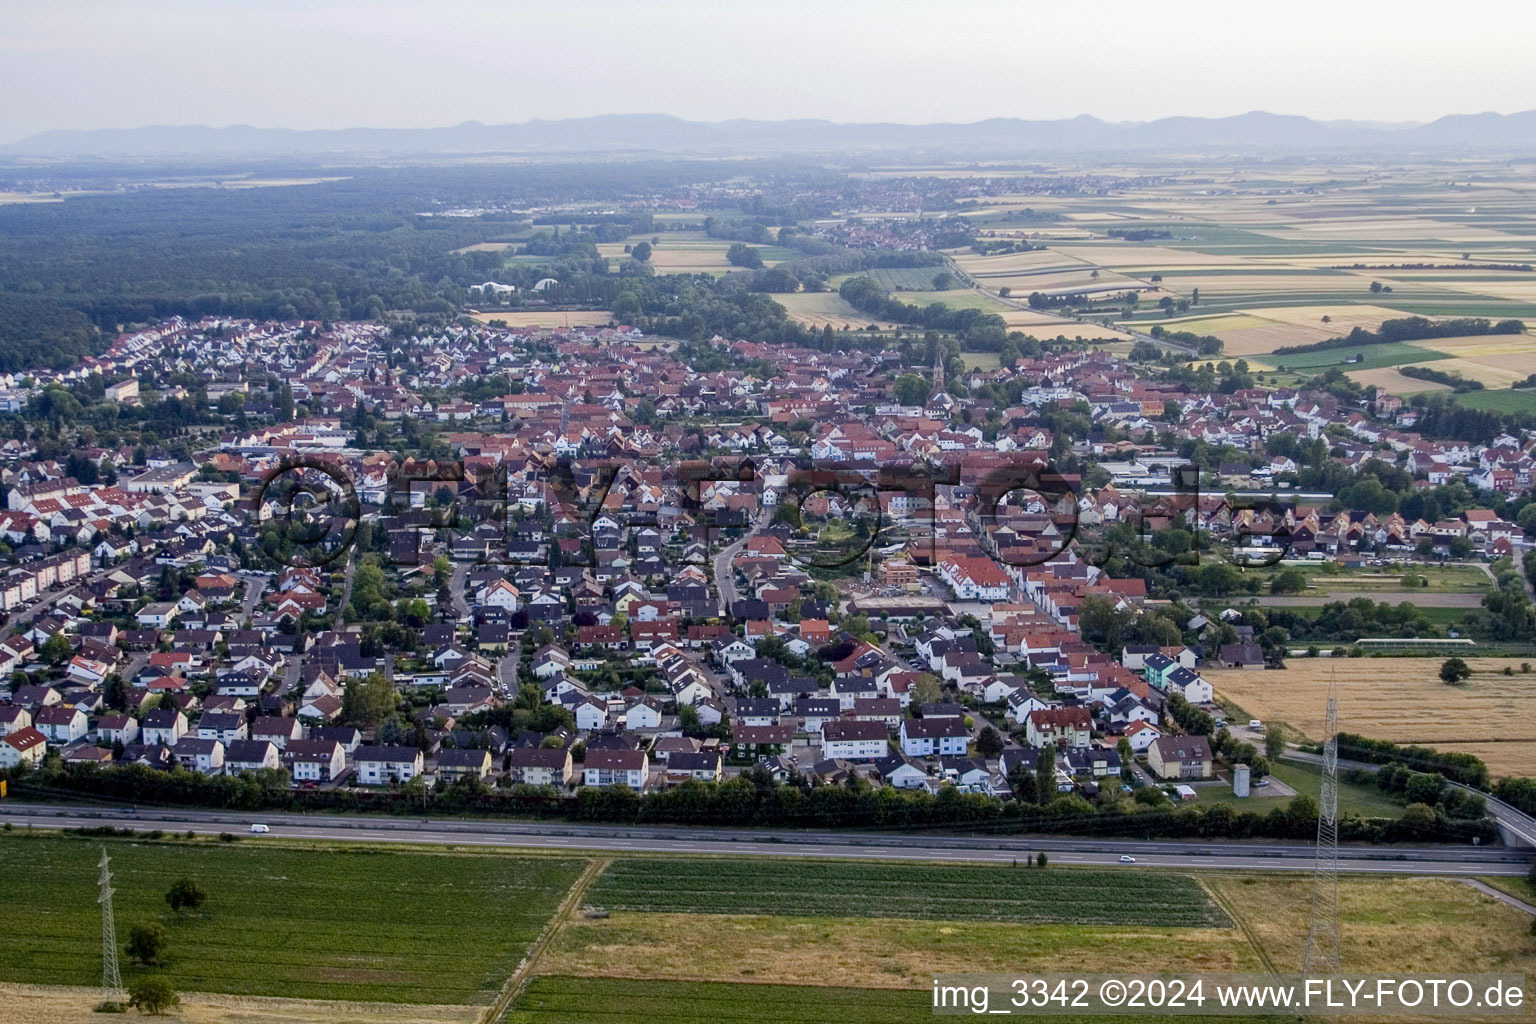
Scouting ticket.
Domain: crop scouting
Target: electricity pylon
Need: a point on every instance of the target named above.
(1323, 937)
(111, 981)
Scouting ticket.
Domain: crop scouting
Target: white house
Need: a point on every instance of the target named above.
(924, 737)
(377, 766)
(644, 713)
(616, 768)
(854, 740)
(60, 723)
(591, 714)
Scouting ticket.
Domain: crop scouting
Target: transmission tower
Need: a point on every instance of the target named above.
(111, 981)
(1323, 937)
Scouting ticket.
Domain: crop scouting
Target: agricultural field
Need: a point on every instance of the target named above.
(1452, 926)
(710, 886)
(564, 1000)
(1392, 381)
(693, 252)
(1366, 357)
(1506, 400)
(821, 309)
(1441, 579)
(872, 952)
(913, 279)
(345, 924)
(955, 298)
(1402, 700)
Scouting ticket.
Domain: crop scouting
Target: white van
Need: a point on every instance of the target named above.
(1254, 723)
(260, 829)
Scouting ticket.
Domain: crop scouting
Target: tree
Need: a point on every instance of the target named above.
(56, 649)
(641, 251)
(147, 944)
(911, 389)
(185, 894)
(989, 742)
(1453, 671)
(942, 281)
(1041, 858)
(369, 700)
(688, 719)
(153, 995)
(1045, 775)
(742, 255)
(1274, 741)
(1288, 581)
(925, 689)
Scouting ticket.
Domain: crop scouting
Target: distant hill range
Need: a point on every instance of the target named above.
(659, 134)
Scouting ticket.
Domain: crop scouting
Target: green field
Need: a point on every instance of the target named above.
(555, 1000)
(595, 1000)
(1348, 583)
(916, 279)
(958, 298)
(1360, 800)
(981, 360)
(703, 886)
(1505, 400)
(351, 924)
(1373, 357)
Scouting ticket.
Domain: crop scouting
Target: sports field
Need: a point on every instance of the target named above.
(551, 318)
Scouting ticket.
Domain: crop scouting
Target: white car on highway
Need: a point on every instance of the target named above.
(1126, 858)
(260, 829)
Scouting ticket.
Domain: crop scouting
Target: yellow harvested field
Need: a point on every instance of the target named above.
(1045, 326)
(1009, 263)
(1402, 700)
(1260, 341)
(1452, 926)
(1341, 318)
(548, 318)
(1388, 379)
(1387, 229)
(486, 247)
(873, 953)
(1481, 346)
(57, 1004)
(819, 309)
(1155, 257)
(1219, 324)
(1493, 371)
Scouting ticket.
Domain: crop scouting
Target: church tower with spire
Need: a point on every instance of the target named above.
(938, 374)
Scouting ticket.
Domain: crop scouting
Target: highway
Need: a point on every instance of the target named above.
(619, 839)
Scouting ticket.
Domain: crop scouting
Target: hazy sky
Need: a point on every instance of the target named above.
(386, 63)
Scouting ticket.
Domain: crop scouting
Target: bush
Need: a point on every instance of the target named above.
(185, 894)
(153, 995)
(147, 944)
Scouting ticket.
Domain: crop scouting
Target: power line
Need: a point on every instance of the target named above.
(111, 981)
(1323, 937)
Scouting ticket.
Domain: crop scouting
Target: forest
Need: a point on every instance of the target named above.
(73, 273)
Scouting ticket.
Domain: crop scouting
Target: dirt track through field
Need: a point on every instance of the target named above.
(55, 1004)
